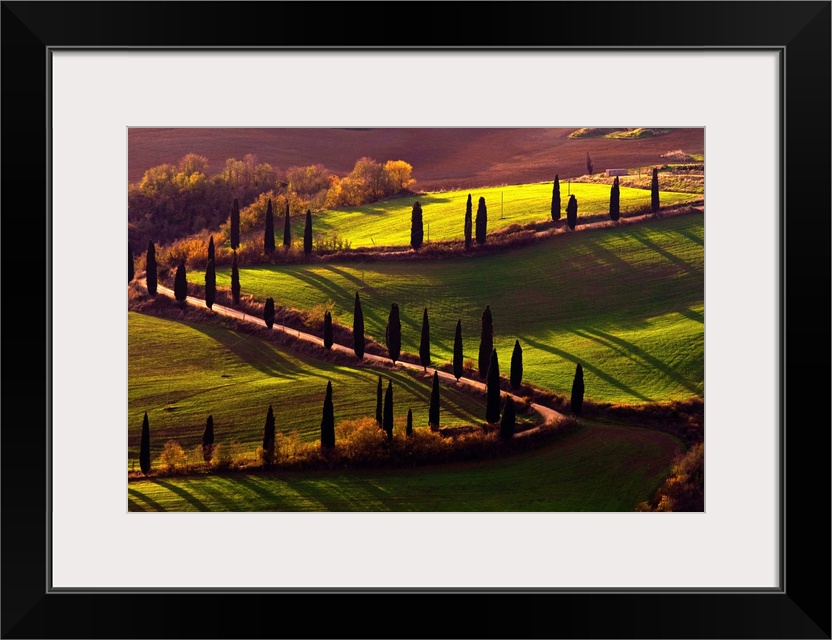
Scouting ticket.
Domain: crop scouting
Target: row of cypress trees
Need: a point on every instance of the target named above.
(417, 230)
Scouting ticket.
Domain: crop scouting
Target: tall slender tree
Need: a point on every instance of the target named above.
(235, 224)
(131, 271)
(572, 212)
(358, 329)
(486, 342)
(468, 222)
(180, 284)
(388, 410)
(589, 164)
(458, 350)
(424, 344)
(492, 390)
(235, 280)
(482, 221)
(328, 421)
(150, 268)
(516, 365)
(211, 251)
(433, 411)
(307, 234)
(378, 402)
(208, 440)
(576, 402)
(144, 447)
(615, 201)
(556, 199)
(327, 330)
(507, 423)
(268, 438)
(654, 191)
(210, 284)
(287, 227)
(393, 333)
(408, 430)
(268, 236)
(417, 229)
(268, 312)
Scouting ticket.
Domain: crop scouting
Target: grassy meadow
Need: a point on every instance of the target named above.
(182, 371)
(387, 223)
(627, 302)
(599, 467)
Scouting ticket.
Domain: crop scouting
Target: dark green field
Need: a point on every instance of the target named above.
(628, 303)
(599, 467)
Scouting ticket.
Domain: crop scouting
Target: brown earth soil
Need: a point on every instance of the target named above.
(441, 158)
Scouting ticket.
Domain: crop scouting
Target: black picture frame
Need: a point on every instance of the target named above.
(800, 608)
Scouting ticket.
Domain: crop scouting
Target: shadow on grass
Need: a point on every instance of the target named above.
(135, 493)
(182, 493)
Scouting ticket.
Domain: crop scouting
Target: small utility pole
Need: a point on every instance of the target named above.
(501, 204)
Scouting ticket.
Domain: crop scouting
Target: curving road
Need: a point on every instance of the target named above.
(550, 416)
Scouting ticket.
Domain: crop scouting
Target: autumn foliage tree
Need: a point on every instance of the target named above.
(486, 342)
(358, 329)
(482, 221)
(468, 222)
(458, 350)
(424, 345)
(268, 312)
(150, 268)
(268, 237)
(393, 333)
(556, 199)
(417, 229)
(180, 284)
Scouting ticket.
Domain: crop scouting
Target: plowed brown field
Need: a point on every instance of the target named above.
(441, 158)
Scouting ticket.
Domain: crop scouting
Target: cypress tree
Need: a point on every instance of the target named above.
(144, 448)
(589, 164)
(654, 191)
(409, 428)
(208, 440)
(268, 438)
(287, 227)
(508, 420)
(268, 312)
(327, 330)
(492, 390)
(211, 255)
(468, 223)
(516, 365)
(388, 411)
(235, 280)
(235, 224)
(556, 199)
(378, 402)
(210, 284)
(424, 345)
(615, 208)
(458, 350)
(130, 269)
(417, 230)
(572, 212)
(358, 329)
(151, 268)
(577, 400)
(307, 233)
(393, 333)
(433, 412)
(482, 221)
(328, 421)
(180, 284)
(486, 342)
(268, 238)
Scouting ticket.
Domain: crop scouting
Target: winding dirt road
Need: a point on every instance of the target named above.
(550, 416)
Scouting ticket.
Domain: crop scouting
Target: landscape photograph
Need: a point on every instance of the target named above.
(416, 319)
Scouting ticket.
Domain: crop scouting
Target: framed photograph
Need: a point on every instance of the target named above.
(86, 87)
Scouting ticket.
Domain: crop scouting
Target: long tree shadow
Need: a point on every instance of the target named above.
(146, 499)
(629, 349)
(641, 236)
(690, 235)
(132, 505)
(320, 283)
(690, 314)
(182, 493)
(587, 367)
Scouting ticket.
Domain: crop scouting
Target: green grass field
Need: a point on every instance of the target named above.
(596, 468)
(387, 223)
(179, 372)
(628, 303)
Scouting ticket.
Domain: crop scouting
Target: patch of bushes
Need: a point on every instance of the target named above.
(592, 132)
(684, 489)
